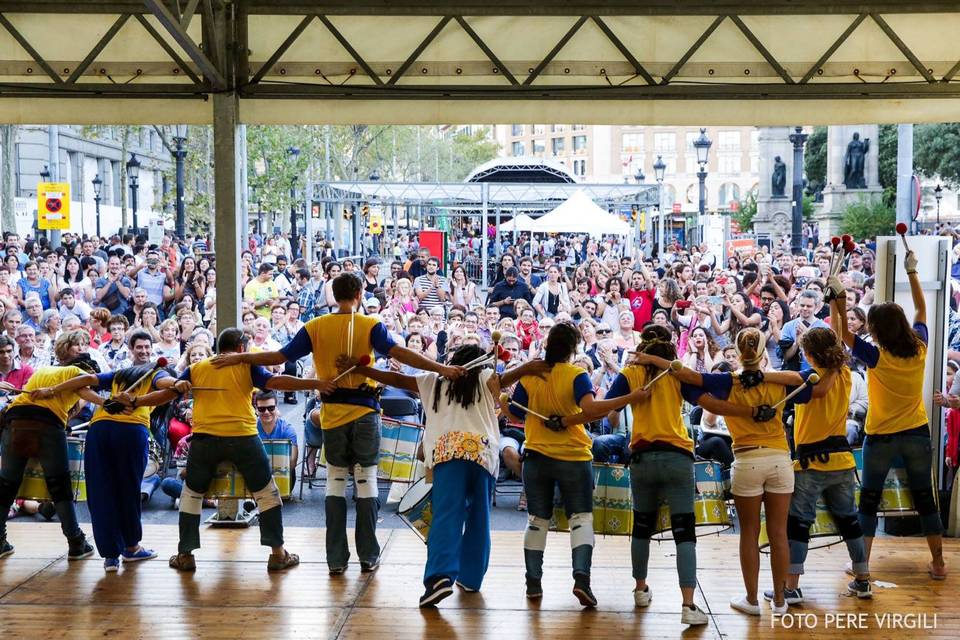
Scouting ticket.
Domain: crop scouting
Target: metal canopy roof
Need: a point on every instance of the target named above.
(435, 61)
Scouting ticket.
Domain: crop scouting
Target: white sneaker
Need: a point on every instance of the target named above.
(781, 610)
(693, 616)
(743, 605)
(643, 598)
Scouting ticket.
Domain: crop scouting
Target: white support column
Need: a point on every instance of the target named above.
(227, 149)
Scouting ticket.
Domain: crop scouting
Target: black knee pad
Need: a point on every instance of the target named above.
(684, 527)
(924, 501)
(849, 527)
(644, 523)
(59, 488)
(869, 501)
(8, 493)
(797, 529)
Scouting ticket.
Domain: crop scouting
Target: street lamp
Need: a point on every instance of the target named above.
(179, 137)
(702, 147)
(659, 171)
(45, 173)
(133, 175)
(639, 175)
(798, 138)
(938, 195)
(97, 186)
(294, 153)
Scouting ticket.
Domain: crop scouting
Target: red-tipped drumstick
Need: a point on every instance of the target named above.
(160, 364)
(902, 232)
(362, 361)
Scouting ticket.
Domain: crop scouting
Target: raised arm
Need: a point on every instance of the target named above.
(537, 368)
(786, 378)
(592, 409)
(263, 358)
(684, 374)
(290, 383)
(916, 291)
(724, 407)
(390, 378)
(418, 361)
(73, 384)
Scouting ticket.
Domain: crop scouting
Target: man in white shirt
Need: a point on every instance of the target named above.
(69, 304)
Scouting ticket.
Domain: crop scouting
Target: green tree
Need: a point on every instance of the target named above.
(864, 220)
(747, 212)
(936, 151)
(815, 160)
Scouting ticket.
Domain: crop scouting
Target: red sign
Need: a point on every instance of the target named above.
(745, 246)
(676, 207)
(54, 204)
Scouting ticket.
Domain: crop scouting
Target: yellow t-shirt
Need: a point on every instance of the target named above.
(894, 392)
(823, 417)
(744, 431)
(658, 419)
(329, 338)
(140, 415)
(259, 292)
(224, 413)
(60, 404)
(554, 395)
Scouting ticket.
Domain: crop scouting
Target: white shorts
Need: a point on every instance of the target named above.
(506, 442)
(761, 470)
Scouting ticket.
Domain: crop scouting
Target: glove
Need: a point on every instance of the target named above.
(836, 287)
(554, 423)
(910, 262)
(763, 413)
(751, 379)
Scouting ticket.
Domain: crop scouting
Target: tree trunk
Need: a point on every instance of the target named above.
(8, 150)
(124, 149)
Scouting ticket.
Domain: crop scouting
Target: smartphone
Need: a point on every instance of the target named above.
(714, 299)
(683, 304)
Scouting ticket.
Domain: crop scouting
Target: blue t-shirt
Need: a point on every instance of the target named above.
(869, 354)
(301, 346)
(621, 387)
(283, 430)
(581, 387)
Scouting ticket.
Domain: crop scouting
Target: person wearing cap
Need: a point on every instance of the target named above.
(262, 292)
(506, 292)
(371, 305)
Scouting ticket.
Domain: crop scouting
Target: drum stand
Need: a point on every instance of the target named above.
(231, 513)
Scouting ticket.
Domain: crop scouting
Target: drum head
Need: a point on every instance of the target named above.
(420, 490)
(151, 469)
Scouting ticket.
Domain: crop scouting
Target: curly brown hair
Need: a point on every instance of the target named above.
(656, 340)
(821, 346)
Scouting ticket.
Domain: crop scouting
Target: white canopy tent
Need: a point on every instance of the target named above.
(580, 214)
(522, 222)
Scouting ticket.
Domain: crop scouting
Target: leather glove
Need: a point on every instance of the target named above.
(114, 407)
(554, 423)
(751, 379)
(910, 262)
(836, 287)
(763, 413)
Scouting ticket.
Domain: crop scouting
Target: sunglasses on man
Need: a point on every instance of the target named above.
(267, 409)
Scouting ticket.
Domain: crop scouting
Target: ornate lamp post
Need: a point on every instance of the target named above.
(659, 170)
(938, 194)
(702, 146)
(798, 137)
(179, 153)
(294, 153)
(133, 177)
(97, 186)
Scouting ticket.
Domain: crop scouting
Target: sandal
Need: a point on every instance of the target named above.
(935, 573)
(288, 561)
(183, 562)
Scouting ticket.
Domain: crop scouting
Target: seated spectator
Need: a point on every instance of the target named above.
(270, 426)
(12, 372)
(69, 303)
(169, 343)
(115, 351)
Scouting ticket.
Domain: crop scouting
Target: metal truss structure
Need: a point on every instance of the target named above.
(436, 51)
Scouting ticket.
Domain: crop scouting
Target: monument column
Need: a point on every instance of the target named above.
(836, 195)
(773, 209)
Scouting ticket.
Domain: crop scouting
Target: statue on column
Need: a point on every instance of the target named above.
(853, 163)
(779, 178)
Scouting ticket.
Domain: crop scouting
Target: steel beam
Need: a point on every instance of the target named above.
(182, 38)
(833, 48)
(286, 44)
(170, 51)
(904, 49)
(556, 49)
(104, 41)
(420, 49)
(692, 50)
(755, 41)
(349, 48)
(499, 67)
(29, 49)
(624, 51)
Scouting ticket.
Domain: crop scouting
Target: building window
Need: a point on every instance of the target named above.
(516, 130)
(729, 192)
(729, 141)
(539, 129)
(518, 149)
(539, 147)
(556, 128)
(691, 163)
(580, 168)
(671, 165)
(579, 144)
(729, 164)
(579, 127)
(690, 137)
(665, 142)
(754, 139)
(632, 142)
(557, 145)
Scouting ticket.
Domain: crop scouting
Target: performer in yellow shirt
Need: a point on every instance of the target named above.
(558, 454)
(225, 428)
(350, 414)
(36, 428)
(897, 423)
(824, 465)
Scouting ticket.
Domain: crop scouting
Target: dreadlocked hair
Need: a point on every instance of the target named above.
(656, 340)
(465, 390)
(750, 346)
(123, 378)
(822, 346)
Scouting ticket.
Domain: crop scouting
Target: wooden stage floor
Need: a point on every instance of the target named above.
(232, 596)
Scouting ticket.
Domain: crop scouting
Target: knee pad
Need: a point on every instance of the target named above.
(684, 527)
(366, 479)
(190, 501)
(267, 498)
(644, 523)
(535, 537)
(870, 501)
(849, 527)
(337, 481)
(797, 529)
(924, 501)
(581, 529)
(59, 488)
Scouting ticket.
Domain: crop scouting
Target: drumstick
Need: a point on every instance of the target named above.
(80, 427)
(496, 335)
(812, 380)
(837, 245)
(160, 364)
(675, 365)
(902, 232)
(362, 362)
(520, 406)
